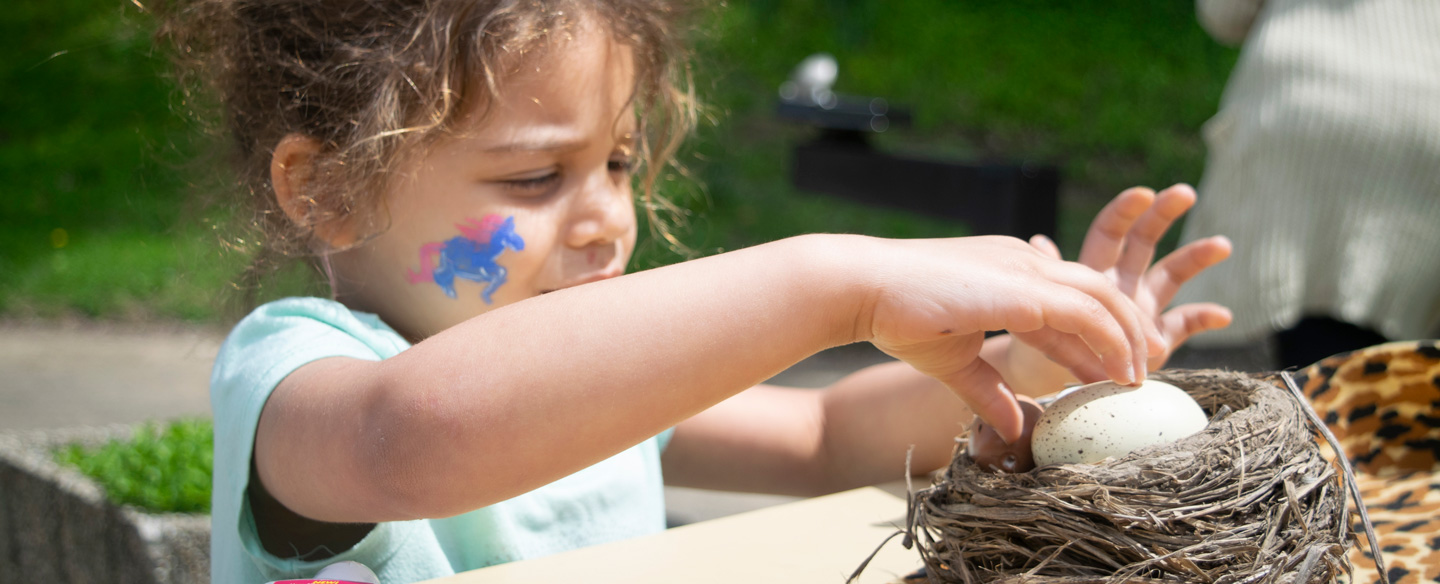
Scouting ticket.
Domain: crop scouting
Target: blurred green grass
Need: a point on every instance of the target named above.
(94, 220)
(165, 467)
(99, 217)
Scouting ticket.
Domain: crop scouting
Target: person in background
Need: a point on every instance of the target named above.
(1324, 170)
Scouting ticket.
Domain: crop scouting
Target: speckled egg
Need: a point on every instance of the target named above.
(1106, 419)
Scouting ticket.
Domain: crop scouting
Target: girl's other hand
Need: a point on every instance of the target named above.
(1120, 244)
(932, 301)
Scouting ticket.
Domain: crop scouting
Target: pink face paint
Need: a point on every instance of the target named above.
(470, 255)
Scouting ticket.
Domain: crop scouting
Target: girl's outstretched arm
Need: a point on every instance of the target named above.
(809, 442)
(528, 393)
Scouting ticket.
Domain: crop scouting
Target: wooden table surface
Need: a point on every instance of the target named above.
(820, 540)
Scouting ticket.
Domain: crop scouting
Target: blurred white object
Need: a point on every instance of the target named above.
(811, 81)
(350, 571)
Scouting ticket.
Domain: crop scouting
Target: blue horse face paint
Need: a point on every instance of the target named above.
(470, 255)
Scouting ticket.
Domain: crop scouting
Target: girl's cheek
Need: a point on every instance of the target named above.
(471, 253)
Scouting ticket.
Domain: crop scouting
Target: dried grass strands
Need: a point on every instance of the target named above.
(1248, 500)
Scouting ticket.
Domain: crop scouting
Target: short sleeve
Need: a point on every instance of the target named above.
(663, 439)
(617, 498)
(265, 347)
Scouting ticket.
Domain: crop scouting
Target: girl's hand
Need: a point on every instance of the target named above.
(1120, 244)
(930, 303)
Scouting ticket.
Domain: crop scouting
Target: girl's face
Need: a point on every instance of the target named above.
(532, 198)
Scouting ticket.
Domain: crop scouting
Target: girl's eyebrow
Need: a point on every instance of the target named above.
(533, 138)
(536, 146)
(548, 141)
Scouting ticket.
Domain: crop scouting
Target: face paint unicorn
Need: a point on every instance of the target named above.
(470, 255)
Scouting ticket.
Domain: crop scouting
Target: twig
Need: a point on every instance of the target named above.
(1349, 473)
(856, 574)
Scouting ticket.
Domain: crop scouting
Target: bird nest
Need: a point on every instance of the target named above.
(1250, 499)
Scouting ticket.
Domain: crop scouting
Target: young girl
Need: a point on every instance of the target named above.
(486, 386)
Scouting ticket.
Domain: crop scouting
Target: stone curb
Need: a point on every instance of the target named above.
(57, 526)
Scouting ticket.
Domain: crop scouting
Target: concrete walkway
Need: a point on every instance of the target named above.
(55, 376)
(68, 375)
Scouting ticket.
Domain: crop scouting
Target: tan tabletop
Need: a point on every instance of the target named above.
(813, 540)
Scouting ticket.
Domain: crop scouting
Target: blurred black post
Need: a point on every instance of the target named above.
(1016, 199)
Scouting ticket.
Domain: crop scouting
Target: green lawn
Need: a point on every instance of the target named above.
(99, 218)
(163, 468)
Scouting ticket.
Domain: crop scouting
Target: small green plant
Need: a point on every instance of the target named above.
(163, 468)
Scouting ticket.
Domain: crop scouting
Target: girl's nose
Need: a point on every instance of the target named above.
(603, 211)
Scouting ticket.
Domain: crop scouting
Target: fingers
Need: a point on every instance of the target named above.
(1045, 246)
(1086, 304)
(1066, 350)
(1106, 237)
(1187, 320)
(1006, 284)
(1073, 314)
(1173, 271)
(1145, 234)
(981, 387)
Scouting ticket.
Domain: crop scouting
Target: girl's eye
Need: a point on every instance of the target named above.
(531, 183)
(621, 164)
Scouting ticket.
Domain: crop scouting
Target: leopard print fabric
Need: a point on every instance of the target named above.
(1383, 405)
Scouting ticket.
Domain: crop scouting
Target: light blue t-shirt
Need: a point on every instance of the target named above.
(618, 498)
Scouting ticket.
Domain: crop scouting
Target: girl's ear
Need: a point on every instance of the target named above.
(292, 174)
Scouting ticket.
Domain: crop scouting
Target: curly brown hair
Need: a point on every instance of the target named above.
(375, 80)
